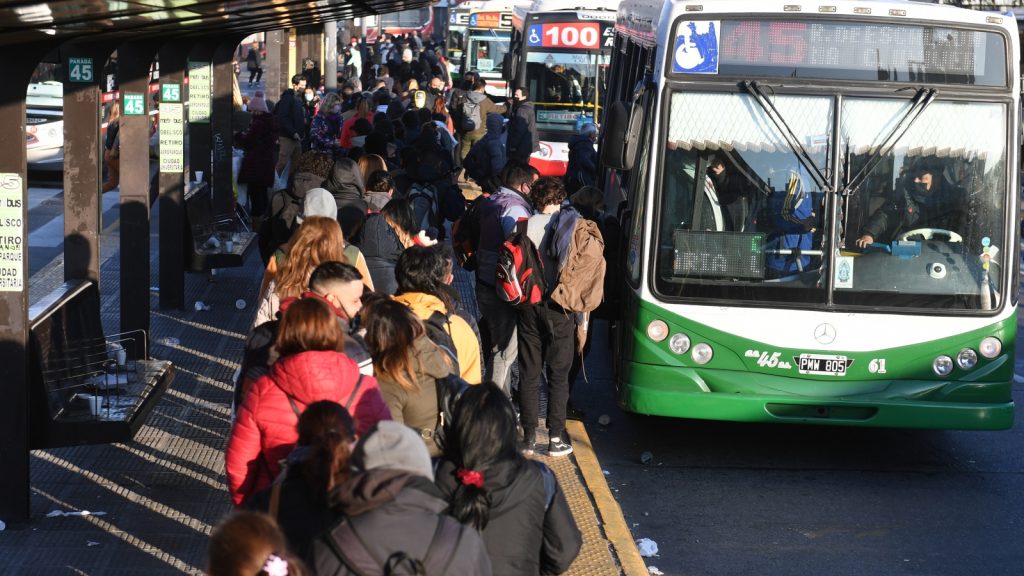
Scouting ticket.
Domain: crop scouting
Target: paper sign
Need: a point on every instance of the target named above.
(199, 92)
(12, 233)
(172, 138)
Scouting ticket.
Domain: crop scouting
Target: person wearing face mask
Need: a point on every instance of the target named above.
(523, 139)
(923, 199)
(435, 92)
(325, 128)
(291, 123)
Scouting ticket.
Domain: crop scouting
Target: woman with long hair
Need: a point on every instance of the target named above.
(317, 240)
(514, 502)
(248, 543)
(112, 148)
(385, 236)
(310, 367)
(407, 364)
(370, 163)
(301, 501)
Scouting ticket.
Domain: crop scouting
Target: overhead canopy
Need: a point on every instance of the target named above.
(25, 22)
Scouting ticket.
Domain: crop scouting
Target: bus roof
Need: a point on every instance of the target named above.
(641, 19)
(539, 6)
(495, 5)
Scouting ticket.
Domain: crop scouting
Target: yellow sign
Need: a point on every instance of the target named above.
(172, 138)
(12, 233)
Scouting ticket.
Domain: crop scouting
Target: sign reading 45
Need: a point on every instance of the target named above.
(170, 92)
(80, 70)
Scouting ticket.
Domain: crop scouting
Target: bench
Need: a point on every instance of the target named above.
(86, 387)
(212, 240)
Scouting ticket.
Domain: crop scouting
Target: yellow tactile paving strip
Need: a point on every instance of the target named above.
(608, 547)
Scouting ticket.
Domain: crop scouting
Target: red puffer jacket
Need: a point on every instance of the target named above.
(265, 429)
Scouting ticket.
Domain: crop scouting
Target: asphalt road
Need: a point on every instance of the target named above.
(727, 498)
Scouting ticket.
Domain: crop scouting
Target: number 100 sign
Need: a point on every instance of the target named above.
(565, 35)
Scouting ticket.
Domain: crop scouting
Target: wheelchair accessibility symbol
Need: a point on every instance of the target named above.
(534, 38)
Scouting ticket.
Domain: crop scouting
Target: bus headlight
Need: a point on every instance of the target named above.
(657, 330)
(990, 347)
(702, 353)
(967, 359)
(679, 343)
(942, 365)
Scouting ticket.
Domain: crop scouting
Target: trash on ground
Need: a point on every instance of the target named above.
(169, 341)
(604, 419)
(654, 570)
(646, 458)
(240, 304)
(648, 548)
(606, 473)
(56, 513)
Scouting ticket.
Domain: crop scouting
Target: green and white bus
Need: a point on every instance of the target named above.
(818, 206)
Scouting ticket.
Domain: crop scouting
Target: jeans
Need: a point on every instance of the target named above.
(545, 334)
(498, 332)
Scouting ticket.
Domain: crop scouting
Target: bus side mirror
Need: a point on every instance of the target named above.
(621, 133)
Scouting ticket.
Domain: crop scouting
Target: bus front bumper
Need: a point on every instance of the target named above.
(747, 397)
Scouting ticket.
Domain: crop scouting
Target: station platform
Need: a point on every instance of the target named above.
(147, 507)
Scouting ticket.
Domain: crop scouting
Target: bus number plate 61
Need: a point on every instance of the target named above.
(823, 365)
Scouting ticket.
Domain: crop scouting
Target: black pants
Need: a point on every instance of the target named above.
(545, 334)
(258, 199)
(255, 73)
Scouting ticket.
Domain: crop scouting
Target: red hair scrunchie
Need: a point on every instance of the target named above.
(470, 477)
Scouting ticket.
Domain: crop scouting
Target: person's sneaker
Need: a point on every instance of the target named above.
(558, 448)
(529, 444)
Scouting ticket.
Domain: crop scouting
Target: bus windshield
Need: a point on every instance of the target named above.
(565, 86)
(741, 217)
(486, 50)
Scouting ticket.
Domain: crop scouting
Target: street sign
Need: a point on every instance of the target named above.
(134, 104)
(80, 70)
(170, 92)
(172, 138)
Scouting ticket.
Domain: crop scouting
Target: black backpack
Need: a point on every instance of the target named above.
(439, 331)
(466, 234)
(348, 547)
(285, 208)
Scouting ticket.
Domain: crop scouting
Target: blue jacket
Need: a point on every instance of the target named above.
(498, 217)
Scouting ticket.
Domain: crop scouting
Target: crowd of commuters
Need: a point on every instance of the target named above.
(335, 459)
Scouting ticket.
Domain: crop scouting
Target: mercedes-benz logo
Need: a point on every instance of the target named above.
(825, 333)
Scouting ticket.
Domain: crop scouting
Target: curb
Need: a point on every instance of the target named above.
(608, 509)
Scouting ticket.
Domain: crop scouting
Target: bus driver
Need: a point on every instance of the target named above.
(929, 201)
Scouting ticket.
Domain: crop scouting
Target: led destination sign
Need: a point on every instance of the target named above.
(702, 254)
(840, 51)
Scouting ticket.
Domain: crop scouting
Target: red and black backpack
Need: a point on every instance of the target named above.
(520, 273)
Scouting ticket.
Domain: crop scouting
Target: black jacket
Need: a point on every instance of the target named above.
(291, 119)
(345, 183)
(381, 248)
(393, 511)
(909, 210)
(301, 515)
(524, 536)
(523, 138)
(582, 169)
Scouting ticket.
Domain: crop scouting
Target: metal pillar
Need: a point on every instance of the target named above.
(83, 157)
(171, 190)
(14, 410)
(134, 61)
(220, 123)
(330, 64)
(276, 68)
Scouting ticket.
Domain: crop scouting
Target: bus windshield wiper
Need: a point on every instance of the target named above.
(918, 104)
(787, 134)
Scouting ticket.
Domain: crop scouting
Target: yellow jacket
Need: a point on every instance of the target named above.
(467, 349)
